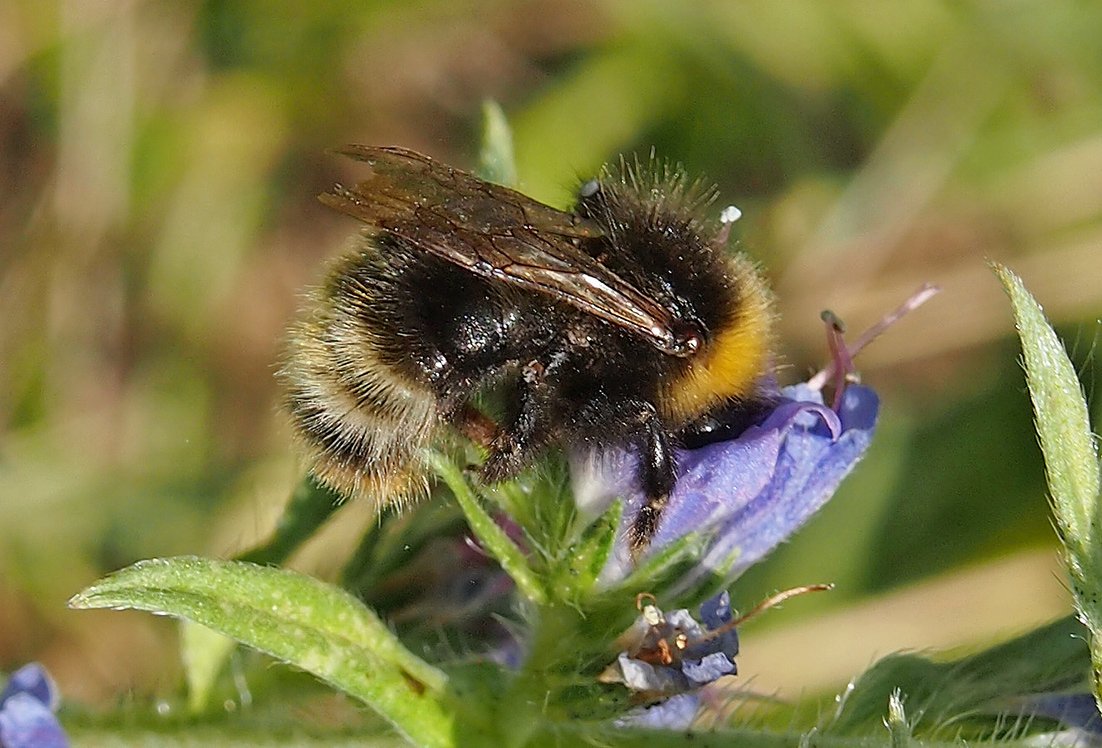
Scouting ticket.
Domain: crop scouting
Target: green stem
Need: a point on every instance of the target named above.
(489, 533)
(524, 718)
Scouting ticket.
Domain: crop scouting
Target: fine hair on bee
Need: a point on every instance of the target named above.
(622, 323)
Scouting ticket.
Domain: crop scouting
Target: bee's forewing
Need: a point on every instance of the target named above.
(498, 233)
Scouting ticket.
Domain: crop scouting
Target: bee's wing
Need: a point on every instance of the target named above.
(498, 233)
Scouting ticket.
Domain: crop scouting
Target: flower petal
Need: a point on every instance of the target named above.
(34, 680)
(752, 492)
(813, 462)
(25, 722)
(695, 503)
(710, 668)
(715, 613)
(1079, 710)
(643, 677)
(675, 713)
(674, 653)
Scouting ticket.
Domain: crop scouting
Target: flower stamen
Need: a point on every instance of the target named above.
(924, 293)
(839, 354)
(770, 602)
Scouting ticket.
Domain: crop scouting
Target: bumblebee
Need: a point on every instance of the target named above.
(623, 323)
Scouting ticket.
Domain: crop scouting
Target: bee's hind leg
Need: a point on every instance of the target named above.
(475, 425)
(524, 434)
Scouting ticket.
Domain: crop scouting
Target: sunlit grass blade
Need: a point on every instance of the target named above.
(489, 533)
(310, 506)
(306, 623)
(204, 652)
(495, 160)
(896, 722)
(1070, 452)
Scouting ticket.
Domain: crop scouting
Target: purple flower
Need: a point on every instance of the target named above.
(27, 707)
(750, 493)
(745, 496)
(669, 657)
(1077, 711)
(675, 713)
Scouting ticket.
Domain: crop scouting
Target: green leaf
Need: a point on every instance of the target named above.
(1070, 451)
(1063, 426)
(540, 502)
(660, 574)
(489, 533)
(495, 161)
(589, 555)
(397, 537)
(939, 694)
(663, 567)
(205, 652)
(664, 572)
(306, 623)
(310, 506)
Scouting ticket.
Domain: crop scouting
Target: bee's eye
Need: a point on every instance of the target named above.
(692, 344)
(689, 338)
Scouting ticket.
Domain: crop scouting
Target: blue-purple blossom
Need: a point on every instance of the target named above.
(670, 657)
(749, 493)
(675, 713)
(1078, 711)
(27, 706)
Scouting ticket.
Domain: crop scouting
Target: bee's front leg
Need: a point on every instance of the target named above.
(657, 475)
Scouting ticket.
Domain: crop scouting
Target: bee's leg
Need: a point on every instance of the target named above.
(657, 474)
(727, 422)
(524, 434)
(475, 425)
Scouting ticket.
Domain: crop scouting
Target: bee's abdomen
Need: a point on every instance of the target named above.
(362, 422)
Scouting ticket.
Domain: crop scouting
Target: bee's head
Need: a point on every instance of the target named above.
(658, 236)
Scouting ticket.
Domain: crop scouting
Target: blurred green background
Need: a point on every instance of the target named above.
(159, 163)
